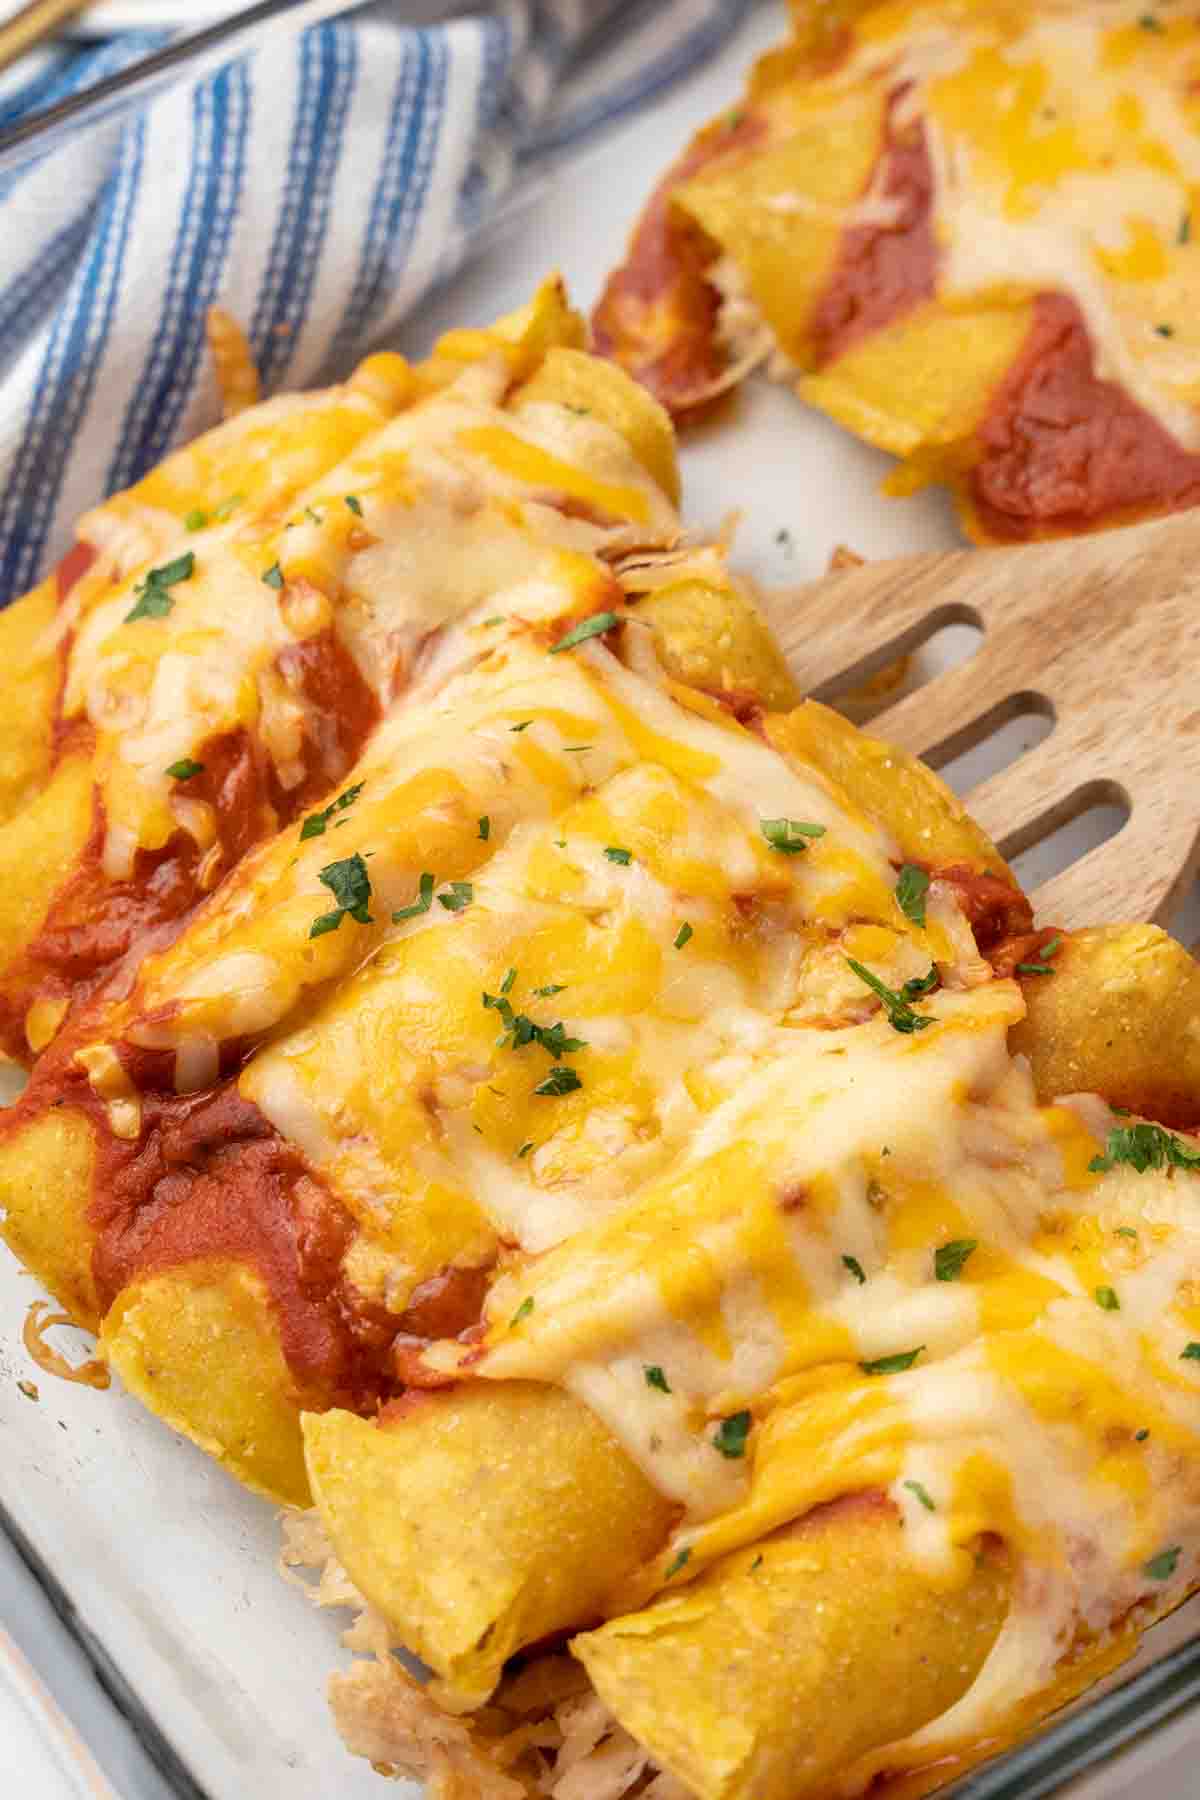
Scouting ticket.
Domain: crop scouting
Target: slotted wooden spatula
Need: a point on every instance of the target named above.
(1101, 633)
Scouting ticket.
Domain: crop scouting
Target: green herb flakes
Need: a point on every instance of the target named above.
(560, 1080)
(900, 1014)
(731, 1434)
(316, 823)
(1162, 1566)
(596, 626)
(892, 1365)
(1144, 1147)
(350, 886)
(949, 1260)
(153, 596)
(789, 836)
(421, 904)
(912, 886)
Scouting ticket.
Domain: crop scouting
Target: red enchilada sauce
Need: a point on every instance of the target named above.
(1063, 449)
(883, 271)
(658, 313)
(208, 1180)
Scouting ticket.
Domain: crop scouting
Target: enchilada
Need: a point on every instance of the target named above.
(625, 1152)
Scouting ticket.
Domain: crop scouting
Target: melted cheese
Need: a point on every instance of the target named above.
(422, 519)
(732, 1196)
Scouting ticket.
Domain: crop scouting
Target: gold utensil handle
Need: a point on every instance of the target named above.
(33, 23)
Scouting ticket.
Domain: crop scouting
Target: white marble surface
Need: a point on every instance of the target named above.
(170, 1566)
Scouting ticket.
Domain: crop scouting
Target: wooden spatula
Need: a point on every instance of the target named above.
(1102, 633)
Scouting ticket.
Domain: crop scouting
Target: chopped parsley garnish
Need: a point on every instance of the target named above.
(1162, 1566)
(355, 505)
(789, 836)
(313, 517)
(656, 1378)
(731, 1434)
(1106, 1298)
(315, 824)
(526, 1147)
(520, 1029)
(1164, 331)
(523, 726)
(922, 1493)
(554, 1039)
(273, 577)
(856, 1269)
(576, 749)
(1184, 234)
(1124, 1231)
(683, 935)
(1192, 1353)
(615, 854)
(350, 886)
(185, 768)
(196, 520)
(757, 1563)
(545, 993)
(154, 598)
(523, 1311)
(421, 904)
(912, 885)
(900, 1014)
(892, 1365)
(1139, 1437)
(485, 828)
(560, 1080)
(496, 619)
(596, 626)
(734, 119)
(682, 1559)
(1144, 1147)
(1149, 22)
(949, 1260)
(460, 896)
(1042, 967)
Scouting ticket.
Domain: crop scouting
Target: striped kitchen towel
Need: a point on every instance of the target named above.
(317, 186)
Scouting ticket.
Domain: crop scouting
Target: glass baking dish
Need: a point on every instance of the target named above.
(163, 1569)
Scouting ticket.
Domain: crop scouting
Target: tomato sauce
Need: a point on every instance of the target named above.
(73, 567)
(94, 921)
(658, 313)
(995, 909)
(1064, 450)
(210, 1179)
(883, 270)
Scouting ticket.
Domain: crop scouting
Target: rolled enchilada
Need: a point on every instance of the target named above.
(625, 1150)
(964, 232)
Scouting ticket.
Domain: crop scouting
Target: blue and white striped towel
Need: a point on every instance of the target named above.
(317, 186)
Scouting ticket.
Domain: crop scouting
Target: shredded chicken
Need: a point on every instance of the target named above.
(545, 1732)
